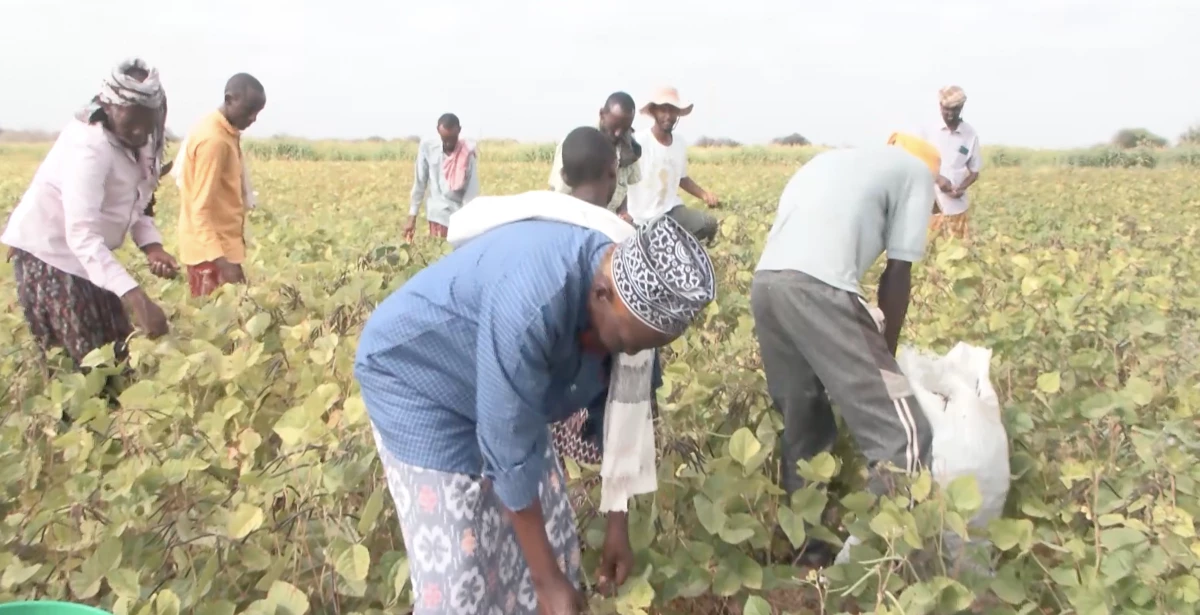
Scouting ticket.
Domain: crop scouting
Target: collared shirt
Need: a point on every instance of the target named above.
(843, 208)
(429, 178)
(961, 155)
(662, 168)
(212, 213)
(626, 176)
(464, 366)
(87, 194)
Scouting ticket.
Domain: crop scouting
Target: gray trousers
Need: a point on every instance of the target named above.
(818, 342)
(699, 223)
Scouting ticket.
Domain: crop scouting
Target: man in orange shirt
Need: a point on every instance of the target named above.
(212, 205)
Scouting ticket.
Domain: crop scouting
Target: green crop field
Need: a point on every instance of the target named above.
(238, 474)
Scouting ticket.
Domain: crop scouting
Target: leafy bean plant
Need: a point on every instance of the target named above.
(235, 472)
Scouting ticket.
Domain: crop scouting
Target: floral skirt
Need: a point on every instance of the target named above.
(463, 554)
(68, 311)
(954, 226)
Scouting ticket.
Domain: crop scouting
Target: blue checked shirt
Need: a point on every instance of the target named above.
(463, 367)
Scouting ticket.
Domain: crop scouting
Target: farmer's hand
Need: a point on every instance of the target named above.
(711, 199)
(230, 273)
(162, 264)
(616, 560)
(148, 315)
(944, 184)
(409, 228)
(557, 596)
(957, 193)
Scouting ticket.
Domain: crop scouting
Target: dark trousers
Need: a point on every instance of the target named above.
(818, 342)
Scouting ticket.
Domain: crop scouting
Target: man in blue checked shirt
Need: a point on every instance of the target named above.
(463, 369)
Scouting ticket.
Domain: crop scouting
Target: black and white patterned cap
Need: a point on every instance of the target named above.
(663, 275)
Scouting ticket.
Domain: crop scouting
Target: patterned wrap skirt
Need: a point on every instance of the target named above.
(203, 279)
(463, 554)
(954, 226)
(68, 311)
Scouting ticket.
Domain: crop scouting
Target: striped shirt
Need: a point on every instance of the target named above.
(463, 368)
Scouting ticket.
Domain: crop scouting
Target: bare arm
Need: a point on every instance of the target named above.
(692, 188)
(895, 290)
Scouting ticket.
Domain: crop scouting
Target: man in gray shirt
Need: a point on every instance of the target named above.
(818, 336)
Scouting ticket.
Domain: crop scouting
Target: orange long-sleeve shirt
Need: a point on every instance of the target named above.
(212, 215)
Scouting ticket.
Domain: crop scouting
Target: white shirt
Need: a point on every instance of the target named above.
(662, 168)
(87, 195)
(961, 156)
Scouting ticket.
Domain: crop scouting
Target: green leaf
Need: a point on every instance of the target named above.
(1049, 383)
(756, 606)
(636, 594)
(17, 573)
(886, 525)
(220, 607)
(371, 511)
(1120, 537)
(400, 575)
(1007, 586)
(287, 599)
(743, 446)
(353, 563)
(124, 583)
(243, 520)
(1139, 391)
(166, 602)
(963, 494)
(712, 515)
(810, 502)
(258, 324)
(792, 526)
(1007, 534)
(820, 469)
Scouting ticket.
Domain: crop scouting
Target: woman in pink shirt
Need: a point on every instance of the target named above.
(94, 188)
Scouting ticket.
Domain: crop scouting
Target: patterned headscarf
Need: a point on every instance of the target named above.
(664, 276)
(120, 89)
(952, 96)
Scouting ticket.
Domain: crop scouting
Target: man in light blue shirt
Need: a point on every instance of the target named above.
(463, 368)
(817, 334)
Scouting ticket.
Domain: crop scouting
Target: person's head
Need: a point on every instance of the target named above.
(245, 98)
(589, 165)
(666, 107)
(616, 117)
(951, 100)
(448, 128)
(132, 102)
(649, 288)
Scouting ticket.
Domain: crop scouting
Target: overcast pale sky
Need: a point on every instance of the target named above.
(1043, 73)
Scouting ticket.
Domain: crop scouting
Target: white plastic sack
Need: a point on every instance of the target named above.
(956, 395)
